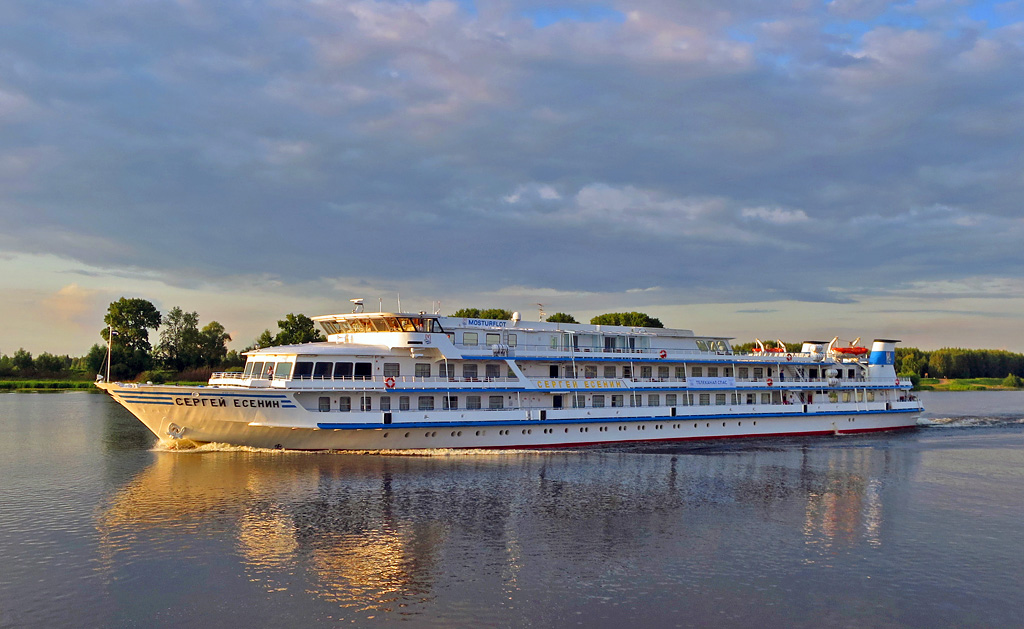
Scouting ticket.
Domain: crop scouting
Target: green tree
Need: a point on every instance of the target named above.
(179, 346)
(499, 314)
(263, 340)
(22, 360)
(213, 344)
(49, 364)
(95, 358)
(296, 329)
(632, 319)
(1013, 380)
(561, 317)
(131, 319)
(6, 365)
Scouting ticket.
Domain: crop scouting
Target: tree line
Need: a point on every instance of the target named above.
(632, 319)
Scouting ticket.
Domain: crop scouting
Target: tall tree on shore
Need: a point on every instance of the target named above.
(499, 314)
(561, 317)
(131, 320)
(634, 319)
(179, 340)
(294, 329)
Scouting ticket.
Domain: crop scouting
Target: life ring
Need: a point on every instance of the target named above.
(174, 431)
(389, 382)
(662, 354)
(897, 382)
(769, 382)
(789, 357)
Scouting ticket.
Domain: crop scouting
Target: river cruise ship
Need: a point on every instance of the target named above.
(392, 381)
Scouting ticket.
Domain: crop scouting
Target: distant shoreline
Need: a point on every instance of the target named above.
(962, 384)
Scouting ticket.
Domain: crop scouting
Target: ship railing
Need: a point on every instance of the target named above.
(562, 350)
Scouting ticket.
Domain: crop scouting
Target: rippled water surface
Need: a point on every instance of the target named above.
(102, 526)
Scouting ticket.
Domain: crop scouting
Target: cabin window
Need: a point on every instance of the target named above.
(646, 371)
(511, 340)
(617, 401)
(473, 402)
(851, 374)
(426, 402)
(813, 373)
(444, 370)
(422, 370)
(451, 402)
(257, 370)
(758, 373)
(627, 371)
(871, 396)
(325, 404)
(609, 371)
(493, 371)
(495, 402)
(283, 370)
(391, 370)
(766, 398)
(727, 372)
(345, 404)
(364, 403)
(364, 371)
(403, 402)
(846, 396)
(248, 369)
(744, 373)
(303, 370)
(681, 373)
(385, 403)
(597, 401)
(323, 371)
(663, 372)
(590, 371)
(750, 398)
(492, 339)
(860, 395)
(705, 399)
(636, 399)
(579, 400)
(697, 372)
(712, 372)
(469, 372)
(343, 371)
(653, 400)
(670, 399)
(469, 338)
(734, 399)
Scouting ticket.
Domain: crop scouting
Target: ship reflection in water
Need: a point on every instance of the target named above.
(373, 536)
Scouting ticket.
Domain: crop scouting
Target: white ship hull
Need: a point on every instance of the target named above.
(272, 418)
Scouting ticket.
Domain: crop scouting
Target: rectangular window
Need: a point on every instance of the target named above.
(653, 400)
(422, 370)
(345, 404)
(495, 402)
(248, 369)
(391, 370)
(705, 399)
(646, 371)
(426, 403)
(766, 398)
(590, 371)
(750, 398)
(492, 371)
(472, 402)
(635, 399)
(343, 370)
(444, 370)
(697, 372)
(617, 401)
(323, 371)
(385, 403)
(680, 373)
(871, 396)
(712, 372)
(403, 402)
(451, 402)
(579, 400)
(492, 339)
(670, 399)
(325, 404)
(364, 403)
(597, 401)
(609, 371)
(663, 372)
(846, 396)
(511, 340)
(851, 373)
(469, 372)
(303, 370)
(744, 373)
(283, 370)
(627, 371)
(734, 399)
(758, 373)
(727, 372)
(469, 338)
(258, 371)
(364, 371)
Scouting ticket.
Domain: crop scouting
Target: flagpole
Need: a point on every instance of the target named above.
(110, 341)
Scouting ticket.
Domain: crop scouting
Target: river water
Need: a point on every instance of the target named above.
(100, 526)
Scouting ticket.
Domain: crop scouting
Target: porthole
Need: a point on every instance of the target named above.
(755, 423)
(695, 425)
(723, 424)
(458, 434)
(708, 425)
(406, 435)
(433, 434)
(453, 433)
(427, 435)
(478, 433)
(385, 435)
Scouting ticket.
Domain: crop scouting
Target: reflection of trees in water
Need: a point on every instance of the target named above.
(380, 533)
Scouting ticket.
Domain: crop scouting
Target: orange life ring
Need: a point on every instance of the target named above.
(662, 354)
(389, 382)
(789, 357)
(769, 382)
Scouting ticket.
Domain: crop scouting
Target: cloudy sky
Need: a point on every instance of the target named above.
(788, 169)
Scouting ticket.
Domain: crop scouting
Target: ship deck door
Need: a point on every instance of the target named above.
(556, 401)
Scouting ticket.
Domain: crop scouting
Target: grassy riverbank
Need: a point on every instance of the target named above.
(963, 384)
(46, 385)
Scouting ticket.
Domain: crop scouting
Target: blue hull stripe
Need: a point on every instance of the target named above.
(593, 420)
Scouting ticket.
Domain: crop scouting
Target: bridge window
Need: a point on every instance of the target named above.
(303, 370)
(492, 339)
(257, 370)
(342, 371)
(283, 370)
(322, 371)
(364, 371)
(470, 338)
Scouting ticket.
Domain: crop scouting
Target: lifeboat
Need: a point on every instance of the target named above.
(779, 349)
(852, 350)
